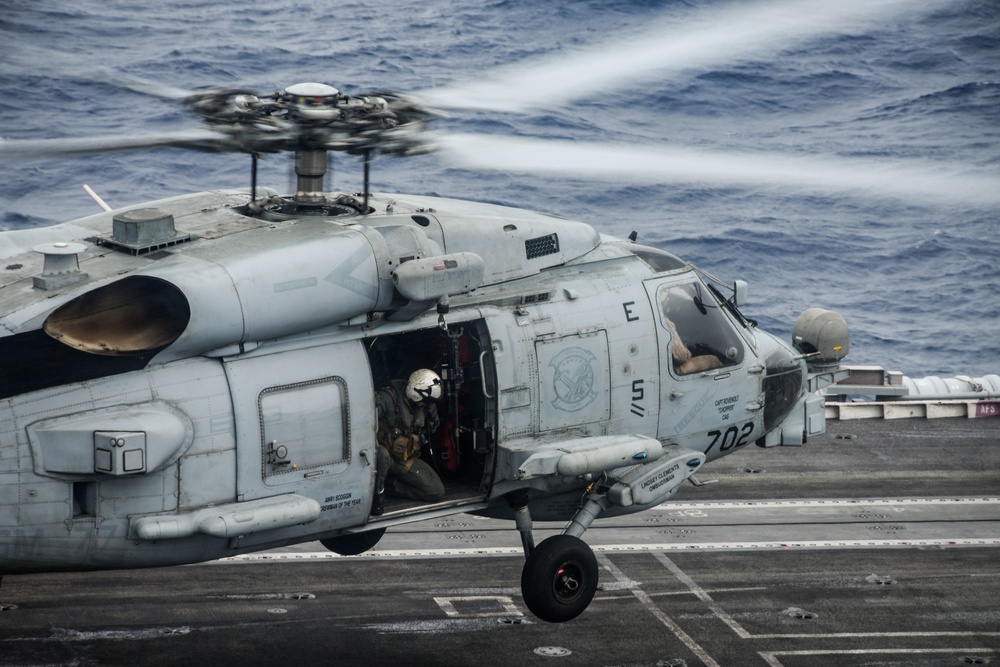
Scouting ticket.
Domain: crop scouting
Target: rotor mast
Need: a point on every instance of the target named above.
(310, 172)
(327, 120)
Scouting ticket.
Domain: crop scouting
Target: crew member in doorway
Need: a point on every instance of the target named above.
(407, 417)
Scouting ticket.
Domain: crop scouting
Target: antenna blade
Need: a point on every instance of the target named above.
(97, 198)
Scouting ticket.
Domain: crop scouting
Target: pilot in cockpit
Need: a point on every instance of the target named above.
(685, 362)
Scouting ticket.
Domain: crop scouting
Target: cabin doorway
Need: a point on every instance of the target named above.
(461, 451)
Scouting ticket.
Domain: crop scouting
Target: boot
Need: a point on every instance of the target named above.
(378, 503)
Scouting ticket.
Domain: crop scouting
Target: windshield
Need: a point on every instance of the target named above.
(701, 338)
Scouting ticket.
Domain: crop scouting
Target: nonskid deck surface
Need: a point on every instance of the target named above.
(876, 543)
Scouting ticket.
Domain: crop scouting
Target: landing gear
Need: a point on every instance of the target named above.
(559, 578)
(560, 574)
(353, 544)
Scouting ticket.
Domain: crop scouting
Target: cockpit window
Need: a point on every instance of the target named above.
(701, 338)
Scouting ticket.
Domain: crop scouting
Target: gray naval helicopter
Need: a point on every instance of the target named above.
(194, 378)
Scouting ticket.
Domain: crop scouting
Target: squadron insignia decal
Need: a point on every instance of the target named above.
(573, 379)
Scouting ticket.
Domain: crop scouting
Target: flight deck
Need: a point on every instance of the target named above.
(873, 544)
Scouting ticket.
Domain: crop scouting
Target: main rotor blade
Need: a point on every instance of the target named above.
(710, 37)
(910, 180)
(152, 88)
(197, 139)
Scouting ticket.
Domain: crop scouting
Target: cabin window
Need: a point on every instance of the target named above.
(701, 337)
(304, 425)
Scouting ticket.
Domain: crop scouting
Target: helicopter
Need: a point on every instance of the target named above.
(194, 378)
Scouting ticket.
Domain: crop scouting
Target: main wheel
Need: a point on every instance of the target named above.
(559, 578)
(353, 544)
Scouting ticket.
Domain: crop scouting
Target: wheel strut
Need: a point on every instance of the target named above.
(592, 507)
(522, 520)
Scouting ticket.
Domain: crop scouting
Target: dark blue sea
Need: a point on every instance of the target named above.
(848, 160)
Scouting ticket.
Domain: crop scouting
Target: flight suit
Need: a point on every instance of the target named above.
(403, 427)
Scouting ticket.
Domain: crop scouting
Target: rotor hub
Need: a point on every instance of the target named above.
(314, 116)
(310, 119)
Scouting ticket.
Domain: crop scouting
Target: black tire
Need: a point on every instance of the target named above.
(353, 544)
(559, 578)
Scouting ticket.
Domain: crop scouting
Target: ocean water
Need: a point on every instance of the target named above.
(849, 160)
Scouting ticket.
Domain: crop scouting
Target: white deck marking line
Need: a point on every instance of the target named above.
(882, 635)
(771, 657)
(829, 502)
(703, 595)
(741, 632)
(505, 606)
(651, 607)
(292, 556)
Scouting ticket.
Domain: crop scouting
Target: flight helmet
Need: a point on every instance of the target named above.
(423, 385)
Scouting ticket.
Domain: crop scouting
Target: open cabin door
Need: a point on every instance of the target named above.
(462, 449)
